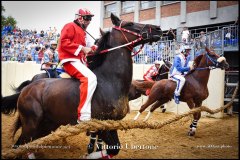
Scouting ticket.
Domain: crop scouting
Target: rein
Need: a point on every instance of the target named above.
(209, 67)
(129, 44)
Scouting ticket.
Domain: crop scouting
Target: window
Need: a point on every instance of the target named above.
(128, 6)
(147, 4)
(168, 2)
(111, 8)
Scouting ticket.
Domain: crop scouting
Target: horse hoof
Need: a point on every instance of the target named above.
(90, 148)
(163, 110)
(191, 133)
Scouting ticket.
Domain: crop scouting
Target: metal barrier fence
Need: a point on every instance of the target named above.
(220, 40)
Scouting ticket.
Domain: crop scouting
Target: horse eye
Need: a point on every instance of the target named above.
(128, 24)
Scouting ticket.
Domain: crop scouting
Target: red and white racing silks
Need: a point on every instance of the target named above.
(72, 39)
(153, 71)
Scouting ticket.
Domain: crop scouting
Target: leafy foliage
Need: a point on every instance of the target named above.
(7, 20)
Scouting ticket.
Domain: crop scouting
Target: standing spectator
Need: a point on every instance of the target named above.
(29, 57)
(203, 40)
(171, 35)
(41, 53)
(50, 59)
(236, 22)
(42, 33)
(185, 35)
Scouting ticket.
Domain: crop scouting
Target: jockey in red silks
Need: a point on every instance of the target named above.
(73, 48)
(152, 71)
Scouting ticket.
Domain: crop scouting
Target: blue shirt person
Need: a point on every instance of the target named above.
(50, 59)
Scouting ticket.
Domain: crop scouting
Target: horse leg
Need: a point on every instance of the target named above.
(112, 148)
(151, 99)
(196, 117)
(99, 142)
(93, 136)
(155, 106)
(163, 108)
(193, 125)
(90, 146)
(31, 115)
(29, 133)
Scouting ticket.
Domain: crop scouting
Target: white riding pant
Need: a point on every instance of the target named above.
(180, 80)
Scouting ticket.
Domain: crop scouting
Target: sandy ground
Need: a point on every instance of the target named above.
(214, 139)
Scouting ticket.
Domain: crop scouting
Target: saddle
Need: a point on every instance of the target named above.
(58, 73)
(61, 73)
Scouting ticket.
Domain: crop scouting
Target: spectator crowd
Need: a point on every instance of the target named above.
(26, 45)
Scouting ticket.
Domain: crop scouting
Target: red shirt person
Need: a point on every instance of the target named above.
(73, 49)
(152, 71)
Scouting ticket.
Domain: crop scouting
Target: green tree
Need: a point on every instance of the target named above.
(7, 20)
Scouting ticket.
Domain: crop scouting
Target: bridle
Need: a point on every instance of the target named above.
(130, 45)
(214, 66)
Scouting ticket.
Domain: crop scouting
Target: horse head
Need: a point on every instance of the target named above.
(214, 60)
(135, 32)
(167, 64)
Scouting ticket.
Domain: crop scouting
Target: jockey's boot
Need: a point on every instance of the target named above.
(176, 98)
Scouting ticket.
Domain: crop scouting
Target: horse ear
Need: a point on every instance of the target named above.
(101, 31)
(164, 60)
(207, 50)
(115, 20)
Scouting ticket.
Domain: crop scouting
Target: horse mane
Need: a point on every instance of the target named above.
(197, 60)
(195, 63)
(97, 59)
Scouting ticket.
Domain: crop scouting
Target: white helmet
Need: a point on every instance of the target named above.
(184, 48)
(157, 62)
(53, 42)
(187, 47)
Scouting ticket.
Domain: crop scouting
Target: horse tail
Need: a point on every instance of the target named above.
(21, 86)
(143, 85)
(9, 104)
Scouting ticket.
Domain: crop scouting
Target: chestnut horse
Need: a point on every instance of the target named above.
(194, 91)
(135, 92)
(47, 103)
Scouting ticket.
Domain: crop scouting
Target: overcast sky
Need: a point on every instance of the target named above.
(44, 14)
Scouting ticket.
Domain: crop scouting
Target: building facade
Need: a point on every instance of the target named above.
(171, 14)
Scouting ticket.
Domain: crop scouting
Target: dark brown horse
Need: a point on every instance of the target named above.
(46, 104)
(195, 89)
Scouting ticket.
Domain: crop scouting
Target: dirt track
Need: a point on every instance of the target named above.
(214, 139)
